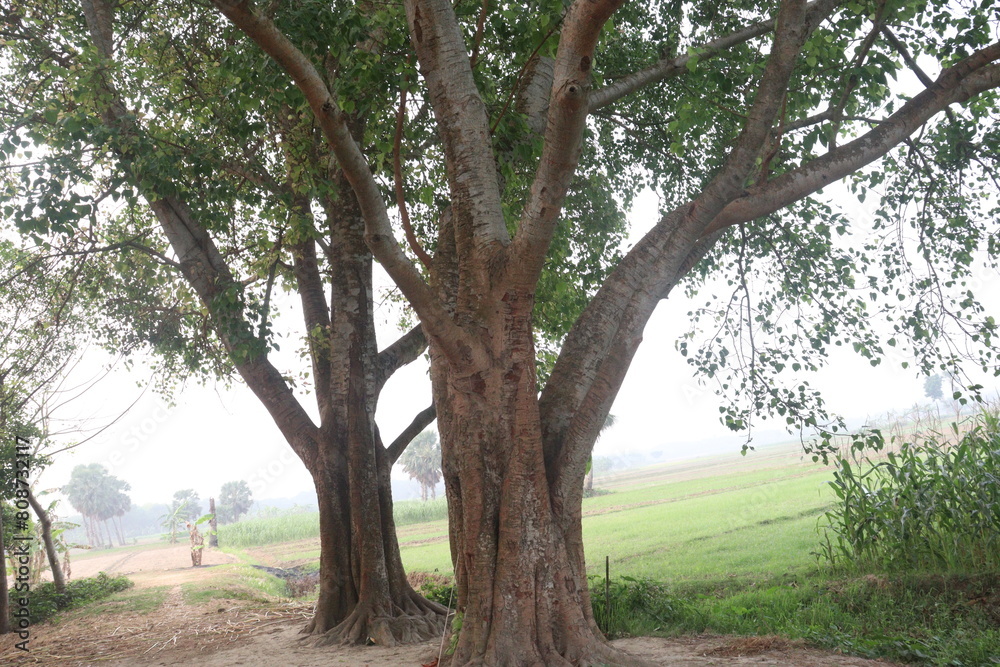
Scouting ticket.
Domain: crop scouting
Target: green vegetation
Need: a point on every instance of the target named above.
(926, 619)
(305, 525)
(270, 530)
(629, 606)
(928, 507)
(407, 512)
(45, 602)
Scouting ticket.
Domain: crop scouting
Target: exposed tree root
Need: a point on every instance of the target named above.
(419, 621)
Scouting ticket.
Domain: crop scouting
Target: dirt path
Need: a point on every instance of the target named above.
(150, 561)
(224, 632)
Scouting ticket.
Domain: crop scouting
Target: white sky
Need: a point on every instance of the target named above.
(214, 435)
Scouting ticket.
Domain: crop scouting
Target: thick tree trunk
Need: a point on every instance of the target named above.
(521, 587)
(363, 589)
(50, 547)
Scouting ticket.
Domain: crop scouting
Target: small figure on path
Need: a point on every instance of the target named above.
(197, 544)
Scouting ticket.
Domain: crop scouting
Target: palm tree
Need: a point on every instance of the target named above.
(98, 496)
(422, 462)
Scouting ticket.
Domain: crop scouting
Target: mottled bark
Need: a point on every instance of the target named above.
(524, 599)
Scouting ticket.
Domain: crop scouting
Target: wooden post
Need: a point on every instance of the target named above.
(607, 586)
(213, 535)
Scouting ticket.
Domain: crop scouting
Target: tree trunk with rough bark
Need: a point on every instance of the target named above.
(523, 595)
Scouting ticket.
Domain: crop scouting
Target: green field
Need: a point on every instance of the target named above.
(723, 544)
(717, 517)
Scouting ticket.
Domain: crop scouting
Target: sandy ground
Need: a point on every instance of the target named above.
(223, 633)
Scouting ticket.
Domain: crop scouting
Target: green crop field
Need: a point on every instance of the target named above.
(724, 544)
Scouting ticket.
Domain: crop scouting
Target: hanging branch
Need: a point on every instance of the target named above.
(397, 172)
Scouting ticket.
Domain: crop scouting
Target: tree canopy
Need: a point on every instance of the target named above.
(235, 500)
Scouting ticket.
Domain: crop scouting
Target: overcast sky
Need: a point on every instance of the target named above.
(214, 435)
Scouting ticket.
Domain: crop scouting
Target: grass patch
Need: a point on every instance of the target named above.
(305, 525)
(235, 582)
(930, 619)
(141, 601)
(407, 512)
(627, 607)
(44, 602)
(270, 530)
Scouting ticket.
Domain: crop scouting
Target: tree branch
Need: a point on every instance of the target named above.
(406, 349)
(670, 67)
(315, 314)
(600, 346)
(422, 420)
(462, 122)
(667, 68)
(202, 265)
(568, 109)
(397, 173)
(956, 84)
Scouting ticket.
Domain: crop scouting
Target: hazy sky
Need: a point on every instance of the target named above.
(214, 435)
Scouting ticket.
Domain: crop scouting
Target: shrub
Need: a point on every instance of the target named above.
(930, 506)
(630, 606)
(433, 586)
(44, 602)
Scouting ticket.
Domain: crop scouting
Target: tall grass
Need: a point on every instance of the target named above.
(627, 606)
(929, 506)
(269, 530)
(406, 512)
(290, 527)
